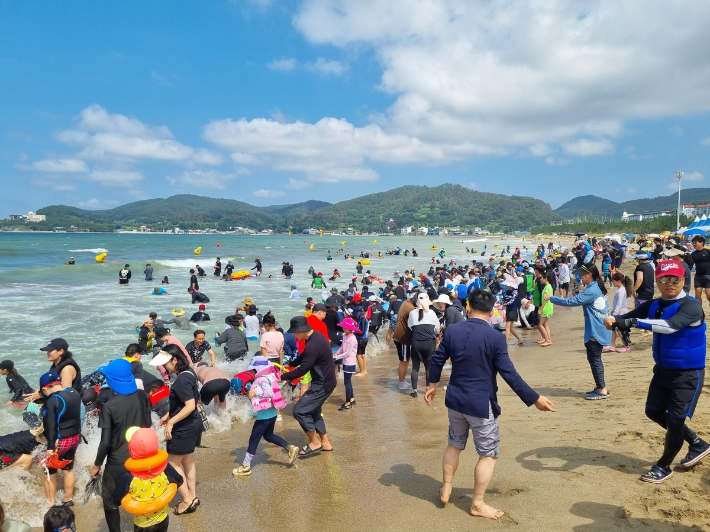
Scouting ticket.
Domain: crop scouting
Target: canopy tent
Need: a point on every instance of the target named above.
(580, 233)
(695, 223)
(696, 231)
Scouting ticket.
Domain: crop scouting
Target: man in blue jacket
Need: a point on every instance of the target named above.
(679, 349)
(478, 354)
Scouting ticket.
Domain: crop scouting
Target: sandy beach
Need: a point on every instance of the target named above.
(576, 469)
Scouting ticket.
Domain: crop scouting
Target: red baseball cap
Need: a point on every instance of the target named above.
(667, 268)
(357, 297)
(202, 307)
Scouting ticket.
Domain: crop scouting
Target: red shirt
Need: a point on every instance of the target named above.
(317, 325)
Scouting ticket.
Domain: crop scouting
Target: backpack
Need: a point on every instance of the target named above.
(242, 382)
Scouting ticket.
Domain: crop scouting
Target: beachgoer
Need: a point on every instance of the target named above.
(679, 350)
(264, 393)
(129, 407)
(701, 260)
(57, 519)
(257, 266)
(148, 271)
(236, 340)
(229, 269)
(424, 326)
(546, 309)
(200, 315)
(218, 268)
(272, 341)
(317, 358)
(71, 262)
(194, 284)
(183, 425)
(165, 280)
(510, 302)
(158, 291)
(63, 364)
(624, 286)
(295, 294)
(16, 449)
(198, 297)
(596, 309)
(403, 339)
(145, 490)
(143, 378)
(124, 275)
(643, 279)
(178, 319)
(15, 382)
(61, 419)
(215, 383)
(347, 352)
(198, 347)
(252, 327)
(478, 354)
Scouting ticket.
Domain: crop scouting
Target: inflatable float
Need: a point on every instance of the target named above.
(100, 257)
(434, 247)
(198, 251)
(364, 261)
(241, 275)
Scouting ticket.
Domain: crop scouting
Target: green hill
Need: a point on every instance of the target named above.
(596, 206)
(297, 210)
(445, 205)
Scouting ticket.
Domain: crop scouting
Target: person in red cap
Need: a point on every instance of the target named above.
(318, 281)
(677, 321)
(200, 315)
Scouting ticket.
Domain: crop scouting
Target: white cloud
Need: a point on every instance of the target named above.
(297, 184)
(282, 64)
(586, 147)
(540, 149)
(206, 178)
(118, 178)
(705, 141)
(693, 176)
(325, 66)
(676, 131)
(631, 190)
(472, 186)
(59, 186)
(112, 136)
(264, 193)
(59, 165)
(550, 160)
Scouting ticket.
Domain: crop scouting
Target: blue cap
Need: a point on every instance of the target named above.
(49, 378)
(119, 376)
(293, 286)
(519, 269)
(642, 255)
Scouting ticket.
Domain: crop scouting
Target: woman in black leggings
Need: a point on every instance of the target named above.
(425, 326)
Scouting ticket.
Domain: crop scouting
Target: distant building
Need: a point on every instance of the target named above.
(691, 211)
(32, 217)
(423, 230)
(350, 231)
(406, 230)
(646, 215)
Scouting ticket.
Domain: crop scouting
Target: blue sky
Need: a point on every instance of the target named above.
(105, 103)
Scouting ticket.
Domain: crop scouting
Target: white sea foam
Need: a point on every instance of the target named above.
(92, 250)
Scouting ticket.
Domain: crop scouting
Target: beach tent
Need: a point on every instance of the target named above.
(630, 235)
(696, 231)
(695, 223)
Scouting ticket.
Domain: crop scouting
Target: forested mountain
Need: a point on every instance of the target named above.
(445, 205)
(596, 206)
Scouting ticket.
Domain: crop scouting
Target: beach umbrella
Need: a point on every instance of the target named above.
(580, 233)
(696, 231)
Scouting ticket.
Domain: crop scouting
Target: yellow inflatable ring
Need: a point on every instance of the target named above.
(241, 274)
(432, 247)
(366, 261)
(148, 506)
(147, 463)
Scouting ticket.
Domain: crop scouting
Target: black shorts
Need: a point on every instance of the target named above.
(675, 391)
(564, 286)
(361, 345)
(7, 459)
(185, 442)
(404, 351)
(702, 281)
(511, 314)
(216, 387)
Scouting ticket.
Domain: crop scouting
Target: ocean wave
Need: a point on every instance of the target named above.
(190, 263)
(93, 250)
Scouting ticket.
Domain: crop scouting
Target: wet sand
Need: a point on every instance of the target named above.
(576, 469)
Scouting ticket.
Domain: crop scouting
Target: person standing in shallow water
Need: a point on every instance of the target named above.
(478, 354)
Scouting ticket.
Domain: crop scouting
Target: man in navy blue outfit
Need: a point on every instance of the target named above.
(478, 354)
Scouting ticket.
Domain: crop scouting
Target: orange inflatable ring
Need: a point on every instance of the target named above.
(147, 506)
(145, 464)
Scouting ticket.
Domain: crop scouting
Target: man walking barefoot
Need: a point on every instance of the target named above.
(478, 353)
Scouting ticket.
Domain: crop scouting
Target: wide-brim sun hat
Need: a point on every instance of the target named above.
(349, 323)
(258, 363)
(443, 298)
(119, 376)
(178, 312)
(509, 282)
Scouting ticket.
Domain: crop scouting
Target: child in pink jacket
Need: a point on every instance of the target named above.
(348, 352)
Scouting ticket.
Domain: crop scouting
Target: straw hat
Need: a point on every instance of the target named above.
(178, 312)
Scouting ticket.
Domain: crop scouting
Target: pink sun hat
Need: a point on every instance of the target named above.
(349, 323)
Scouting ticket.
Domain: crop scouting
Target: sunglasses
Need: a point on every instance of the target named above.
(672, 280)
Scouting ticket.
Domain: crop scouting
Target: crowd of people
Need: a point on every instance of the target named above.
(454, 317)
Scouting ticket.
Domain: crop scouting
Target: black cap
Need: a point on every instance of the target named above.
(161, 331)
(299, 324)
(319, 307)
(252, 308)
(9, 365)
(57, 343)
(332, 301)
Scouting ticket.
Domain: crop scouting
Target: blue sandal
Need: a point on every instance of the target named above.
(656, 475)
(596, 395)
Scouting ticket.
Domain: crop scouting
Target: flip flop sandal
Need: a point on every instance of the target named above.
(176, 512)
(308, 452)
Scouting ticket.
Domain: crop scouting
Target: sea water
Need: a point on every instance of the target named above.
(41, 298)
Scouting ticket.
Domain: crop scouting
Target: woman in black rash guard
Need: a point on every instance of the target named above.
(425, 326)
